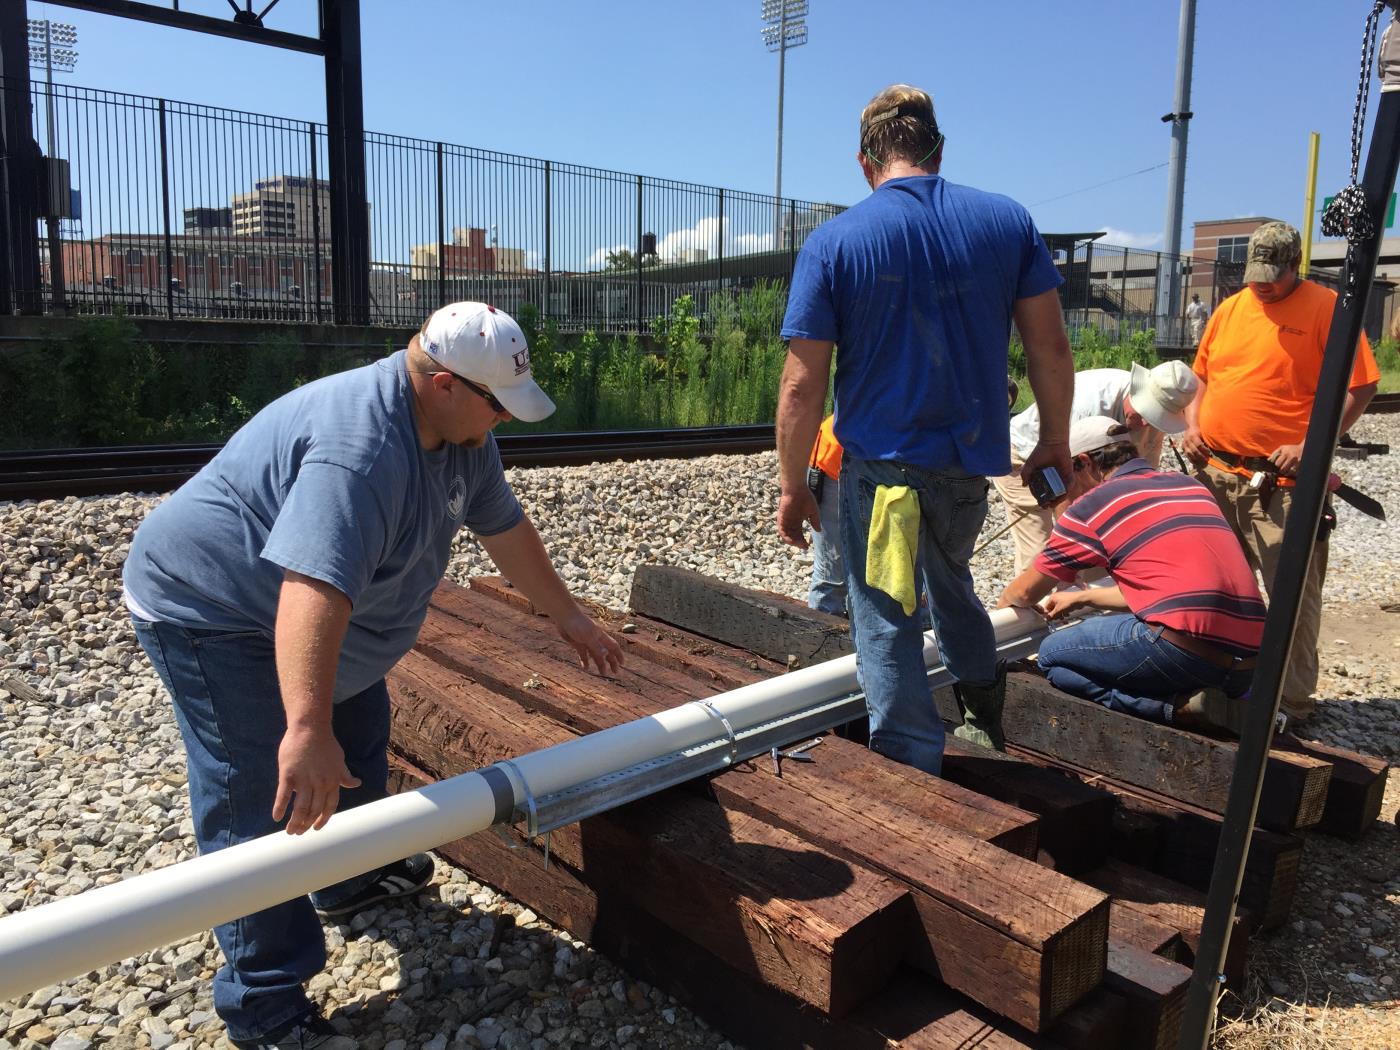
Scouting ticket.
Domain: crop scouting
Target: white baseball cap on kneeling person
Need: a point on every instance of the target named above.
(1160, 395)
(1096, 432)
(479, 343)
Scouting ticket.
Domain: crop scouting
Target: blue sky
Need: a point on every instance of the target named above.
(1039, 100)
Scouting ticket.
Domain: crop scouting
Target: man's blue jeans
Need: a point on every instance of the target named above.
(229, 707)
(827, 590)
(904, 723)
(1126, 665)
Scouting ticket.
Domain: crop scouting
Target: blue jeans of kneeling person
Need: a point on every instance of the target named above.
(827, 590)
(229, 708)
(1126, 665)
(904, 722)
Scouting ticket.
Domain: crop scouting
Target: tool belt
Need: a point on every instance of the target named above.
(1207, 651)
(1249, 465)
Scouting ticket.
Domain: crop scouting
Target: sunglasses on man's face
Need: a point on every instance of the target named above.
(481, 392)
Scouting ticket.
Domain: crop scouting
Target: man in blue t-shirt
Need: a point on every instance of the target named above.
(919, 285)
(277, 587)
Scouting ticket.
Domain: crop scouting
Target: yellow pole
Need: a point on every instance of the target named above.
(1308, 204)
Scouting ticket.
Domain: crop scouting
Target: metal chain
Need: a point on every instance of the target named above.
(1348, 216)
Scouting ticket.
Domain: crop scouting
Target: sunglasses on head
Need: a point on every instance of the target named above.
(481, 392)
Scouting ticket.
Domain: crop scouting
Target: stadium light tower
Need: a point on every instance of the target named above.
(52, 45)
(784, 26)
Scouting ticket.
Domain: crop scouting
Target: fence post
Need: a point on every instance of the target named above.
(792, 238)
(441, 237)
(548, 239)
(719, 253)
(1088, 278)
(315, 219)
(1123, 291)
(639, 255)
(165, 210)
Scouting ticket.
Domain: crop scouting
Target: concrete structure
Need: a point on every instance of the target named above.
(200, 220)
(204, 266)
(284, 206)
(467, 254)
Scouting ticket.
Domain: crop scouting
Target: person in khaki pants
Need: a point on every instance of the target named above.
(1258, 364)
(1150, 402)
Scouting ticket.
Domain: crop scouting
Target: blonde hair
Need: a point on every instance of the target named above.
(912, 137)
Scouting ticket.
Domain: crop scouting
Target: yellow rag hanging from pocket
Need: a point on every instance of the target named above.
(893, 544)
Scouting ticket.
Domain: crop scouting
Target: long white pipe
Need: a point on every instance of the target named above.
(72, 936)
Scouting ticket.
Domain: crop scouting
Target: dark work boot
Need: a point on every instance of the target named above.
(981, 707)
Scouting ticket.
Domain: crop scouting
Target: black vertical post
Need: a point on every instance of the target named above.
(165, 211)
(1088, 277)
(1295, 559)
(639, 255)
(345, 127)
(792, 239)
(441, 236)
(548, 235)
(1123, 288)
(19, 167)
(719, 253)
(315, 218)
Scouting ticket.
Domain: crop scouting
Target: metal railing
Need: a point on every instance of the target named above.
(182, 210)
(188, 211)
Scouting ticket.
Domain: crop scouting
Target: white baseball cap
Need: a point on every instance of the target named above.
(1160, 395)
(1096, 432)
(478, 342)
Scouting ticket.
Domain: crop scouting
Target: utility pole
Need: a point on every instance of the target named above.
(785, 26)
(1169, 280)
(50, 43)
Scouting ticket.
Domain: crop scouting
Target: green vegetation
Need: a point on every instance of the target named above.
(616, 383)
(105, 385)
(1091, 350)
(1387, 353)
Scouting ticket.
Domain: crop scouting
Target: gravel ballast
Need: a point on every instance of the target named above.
(92, 778)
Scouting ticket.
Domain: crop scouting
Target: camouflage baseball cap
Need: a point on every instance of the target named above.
(1272, 249)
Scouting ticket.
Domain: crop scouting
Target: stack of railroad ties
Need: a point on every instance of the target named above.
(1049, 897)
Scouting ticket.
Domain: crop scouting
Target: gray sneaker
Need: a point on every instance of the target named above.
(309, 1032)
(403, 878)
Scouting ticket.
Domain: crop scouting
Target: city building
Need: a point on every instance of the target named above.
(284, 206)
(201, 220)
(467, 254)
(202, 267)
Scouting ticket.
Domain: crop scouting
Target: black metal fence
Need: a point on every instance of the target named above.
(179, 210)
(183, 210)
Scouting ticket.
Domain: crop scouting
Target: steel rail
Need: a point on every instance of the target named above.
(57, 473)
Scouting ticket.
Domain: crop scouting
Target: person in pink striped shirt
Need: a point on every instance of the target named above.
(1185, 614)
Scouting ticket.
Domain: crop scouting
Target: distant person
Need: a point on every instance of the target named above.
(275, 589)
(1151, 402)
(1189, 616)
(1258, 364)
(1196, 314)
(919, 284)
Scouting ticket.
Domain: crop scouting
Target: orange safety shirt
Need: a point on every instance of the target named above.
(1260, 363)
(826, 453)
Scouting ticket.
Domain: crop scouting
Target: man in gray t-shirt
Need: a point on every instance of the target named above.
(275, 590)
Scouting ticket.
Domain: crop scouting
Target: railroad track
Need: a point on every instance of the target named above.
(56, 473)
(1384, 403)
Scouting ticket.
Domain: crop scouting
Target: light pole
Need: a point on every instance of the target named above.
(52, 44)
(784, 26)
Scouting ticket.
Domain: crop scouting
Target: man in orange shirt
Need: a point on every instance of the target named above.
(1258, 364)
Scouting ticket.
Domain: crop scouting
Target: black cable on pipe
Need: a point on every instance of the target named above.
(1295, 558)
